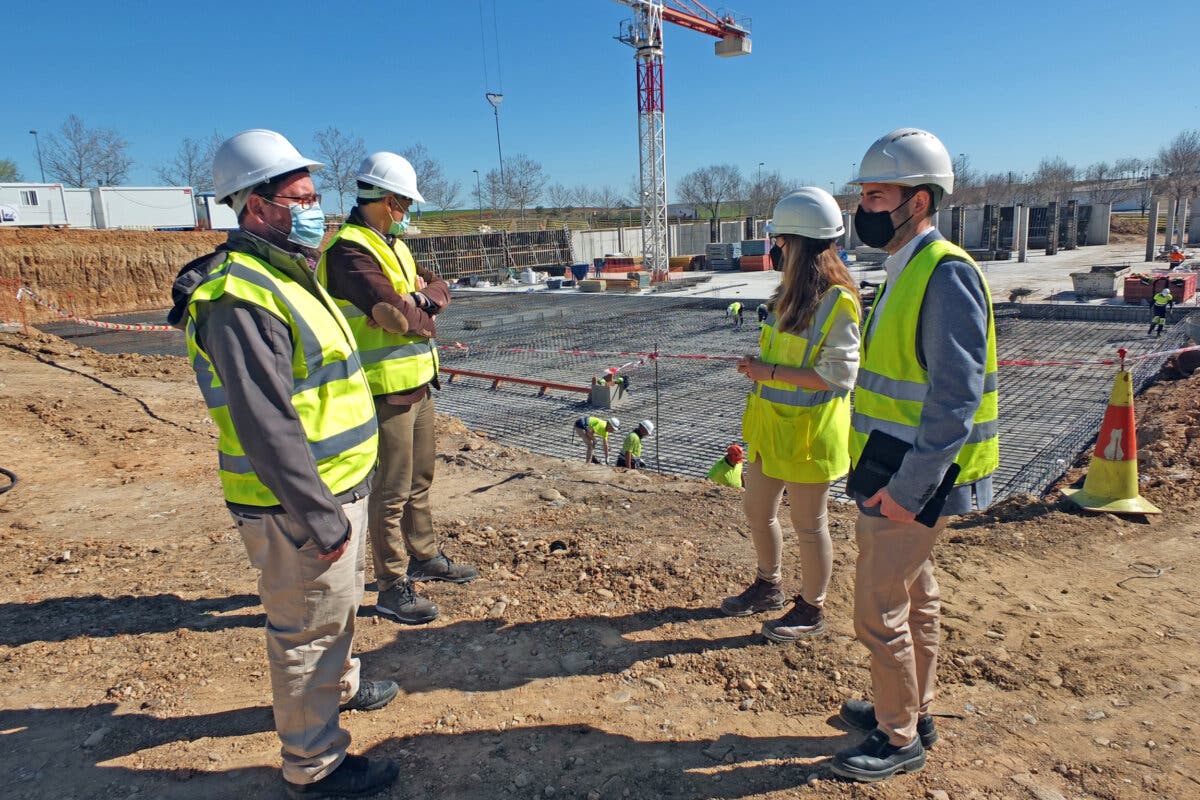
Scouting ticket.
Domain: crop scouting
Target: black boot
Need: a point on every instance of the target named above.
(877, 759)
(861, 715)
(356, 776)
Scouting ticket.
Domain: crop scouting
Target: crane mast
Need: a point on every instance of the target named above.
(644, 34)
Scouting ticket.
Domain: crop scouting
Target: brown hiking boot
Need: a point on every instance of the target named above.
(759, 596)
(802, 620)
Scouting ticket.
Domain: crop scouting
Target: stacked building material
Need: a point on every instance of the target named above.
(755, 247)
(722, 256)
(755, 263)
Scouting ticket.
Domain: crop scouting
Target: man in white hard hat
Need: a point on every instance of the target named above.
(631, 448)
(297, 442)
(391, 306)
(928, 381)
(589, 429)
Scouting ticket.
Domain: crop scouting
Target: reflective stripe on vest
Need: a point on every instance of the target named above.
(329, 391)
(892, 385)
(799, 434)
(393, 362)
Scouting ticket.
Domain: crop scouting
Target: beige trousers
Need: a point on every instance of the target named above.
(310, 605)
(896, 610)
(401, 515)
(810, 520)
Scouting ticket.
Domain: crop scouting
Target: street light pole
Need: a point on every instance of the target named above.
(478, 195)
(38, 143)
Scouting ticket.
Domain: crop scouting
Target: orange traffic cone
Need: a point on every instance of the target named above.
(1112, 477)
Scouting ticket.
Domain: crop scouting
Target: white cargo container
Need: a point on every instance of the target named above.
(25, 204)
(144, 207)
(80, 210)
(213, 215)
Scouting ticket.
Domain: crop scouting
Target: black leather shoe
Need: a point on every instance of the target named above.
(372, 695)
(356, 776)
(861, 715)
(877, 759)
(440, 568)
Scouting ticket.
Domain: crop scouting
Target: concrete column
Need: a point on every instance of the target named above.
(1152, 230)
(1022, 213)
(1172, 221)
(1185, 216)
(1052, 213)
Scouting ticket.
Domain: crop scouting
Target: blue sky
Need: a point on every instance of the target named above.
(823, 81)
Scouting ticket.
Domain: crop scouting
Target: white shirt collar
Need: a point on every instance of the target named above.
(895, 263)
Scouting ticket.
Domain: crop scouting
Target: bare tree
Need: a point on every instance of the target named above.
(966, 183)
(9, 172)
(606, 198)
(1052, 180)
(192, 166)
(81, 156)
(710, 186)
(495, 191)
(561, 197)
(342, 154)
(1179, 164)
(443, 193)
(766, 189)
(1106, 183)
(582, 195)
(525, 180)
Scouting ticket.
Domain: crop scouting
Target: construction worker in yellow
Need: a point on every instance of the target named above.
(296, 440)
(924, 430)
(1160, 304)
(589, 429)
(391, 306)
(797, 419)
(734, 310)
(631, 448)
(728, 469)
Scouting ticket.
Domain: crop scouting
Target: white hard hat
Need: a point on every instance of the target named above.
(907, 157)
(390, 172)
(614, 423)
(808, 211)
(253, 157)
(647, 426)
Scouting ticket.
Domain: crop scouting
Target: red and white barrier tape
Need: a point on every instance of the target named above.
(92, 323)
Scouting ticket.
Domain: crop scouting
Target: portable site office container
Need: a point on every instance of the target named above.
(213, 215)
(81, 212)
(153, 207)
(24, 204)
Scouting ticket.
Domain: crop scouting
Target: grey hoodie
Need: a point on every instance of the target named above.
(251, 351)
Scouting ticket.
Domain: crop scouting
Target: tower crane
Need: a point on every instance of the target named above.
(644, 34)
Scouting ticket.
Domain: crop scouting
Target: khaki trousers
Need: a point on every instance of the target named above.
(310, 605)
(810, 520)
(896, 609)
(401, 520)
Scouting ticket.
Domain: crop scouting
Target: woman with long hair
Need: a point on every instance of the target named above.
(797, 419)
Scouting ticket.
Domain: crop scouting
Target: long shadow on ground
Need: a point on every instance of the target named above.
(58, 619)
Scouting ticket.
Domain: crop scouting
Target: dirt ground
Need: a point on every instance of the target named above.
(587, 662)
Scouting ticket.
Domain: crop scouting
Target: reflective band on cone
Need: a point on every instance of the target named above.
(1112, 477)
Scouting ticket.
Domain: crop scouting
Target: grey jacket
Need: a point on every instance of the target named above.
(251, 351)
(952, 346)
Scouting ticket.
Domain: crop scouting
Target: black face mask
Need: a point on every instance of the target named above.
(875, 228)
(776, 257)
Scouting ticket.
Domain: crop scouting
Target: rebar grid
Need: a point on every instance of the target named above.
(1048, 414)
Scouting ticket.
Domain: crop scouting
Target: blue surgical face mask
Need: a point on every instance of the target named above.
(308, 226)
(399, 227)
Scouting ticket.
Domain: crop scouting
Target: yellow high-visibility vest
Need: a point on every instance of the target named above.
(800, 434)
(393, 362)
(330, 391)
(892, 384)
